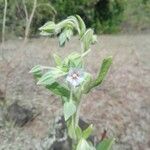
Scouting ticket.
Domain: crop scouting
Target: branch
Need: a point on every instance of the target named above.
(48, 5)
(30, 20)
(4, 22)
(25, 10)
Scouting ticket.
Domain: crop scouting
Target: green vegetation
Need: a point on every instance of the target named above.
(76, 82)
(137, 14)
(105, 16)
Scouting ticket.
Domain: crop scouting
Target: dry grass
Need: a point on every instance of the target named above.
(121, 104)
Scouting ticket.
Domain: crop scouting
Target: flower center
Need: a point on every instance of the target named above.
(75, 76)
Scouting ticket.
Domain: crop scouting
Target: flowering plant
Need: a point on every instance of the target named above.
(76, 81)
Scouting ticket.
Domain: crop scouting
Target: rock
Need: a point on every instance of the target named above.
(58, 138)
(18, 114)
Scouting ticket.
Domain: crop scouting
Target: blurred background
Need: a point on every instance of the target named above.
(105, 16)
(121, 105)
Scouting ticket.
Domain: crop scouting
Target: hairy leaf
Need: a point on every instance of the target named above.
(62, 39)
(35, 69)
(106, 144)
(102, 74)
(78, 132)
(58, 60)
(84, 145)
(71, 128)
(73, 60)
(81, 25)
(103, 71)
(48, 27)
(51, 76)
(87, 39)
(69, 109)
(55, 87)
(87, 132)
(58, 89)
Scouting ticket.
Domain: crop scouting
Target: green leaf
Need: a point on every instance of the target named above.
(51, 76)
(69, 109)
(94, 39)
(73, 60)
(58, 60)
(87, 82)
(55, 87)
(102, 74)
(81, 25)
(106, 144)
(65, 23)
(44, 33)
(103, 71)
(62, 39)
(84, 145)
(37, 73)
(65, 30)
(69, 33)
(65, 36)
(58, 89)
(35, 69)
(71, 128)
(87, 132)
(75, 22)
(87, 39)
(48, 27)
(78, 132)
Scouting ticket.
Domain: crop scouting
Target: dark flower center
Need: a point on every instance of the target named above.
(75, 76)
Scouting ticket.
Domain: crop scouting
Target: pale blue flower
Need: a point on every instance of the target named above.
(75, 77)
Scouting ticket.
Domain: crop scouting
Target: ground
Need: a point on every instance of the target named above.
(121, 105)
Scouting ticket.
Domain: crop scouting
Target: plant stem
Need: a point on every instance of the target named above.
(4, 23)
(29, 19)
(77, 116)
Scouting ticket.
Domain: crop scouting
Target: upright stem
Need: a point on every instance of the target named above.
(4, 22)
(29, 20)
(77, 116)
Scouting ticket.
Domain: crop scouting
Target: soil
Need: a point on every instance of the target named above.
(121, 105)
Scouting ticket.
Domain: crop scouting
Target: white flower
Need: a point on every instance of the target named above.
(75, 76)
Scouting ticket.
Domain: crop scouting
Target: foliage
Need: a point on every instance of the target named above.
(105, 144)
(60, 9)
(108, 15)
(70, 81)
(16, 22)
(137, 14)
(103, 15)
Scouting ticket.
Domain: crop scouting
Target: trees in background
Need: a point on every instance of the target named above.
(28, 17)
(24, 17)
(105, 16)
(108, 15)
(137, 15)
